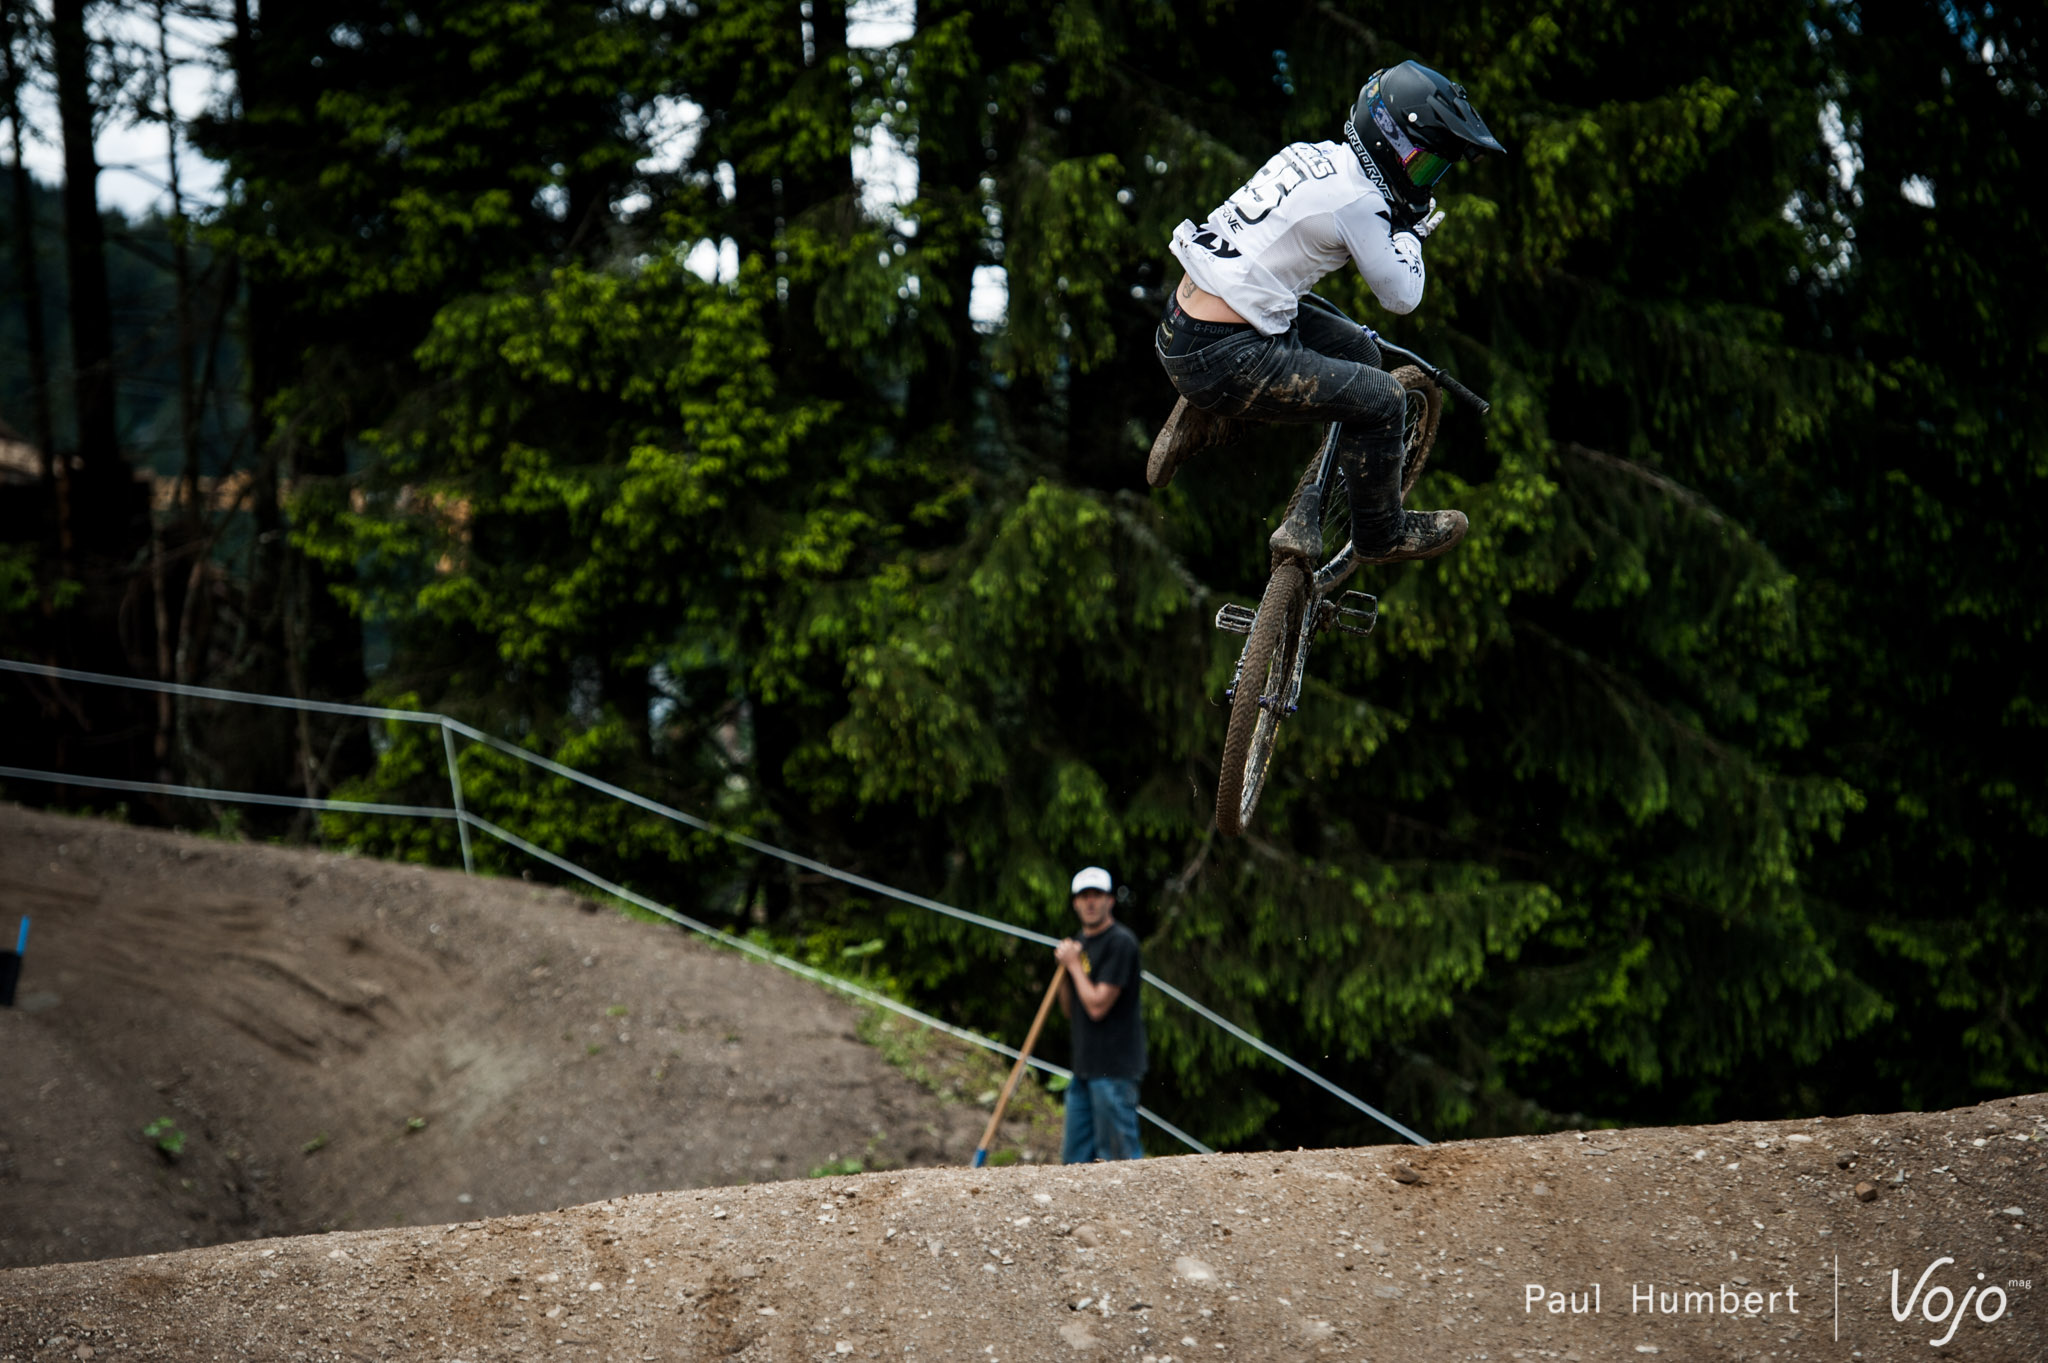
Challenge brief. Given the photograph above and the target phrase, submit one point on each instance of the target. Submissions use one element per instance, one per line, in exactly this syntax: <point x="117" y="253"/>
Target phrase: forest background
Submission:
<point x="746" y="401"/>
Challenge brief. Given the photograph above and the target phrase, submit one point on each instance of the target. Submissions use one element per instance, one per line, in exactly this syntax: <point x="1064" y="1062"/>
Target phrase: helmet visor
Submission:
<point x="1425" y="168"/>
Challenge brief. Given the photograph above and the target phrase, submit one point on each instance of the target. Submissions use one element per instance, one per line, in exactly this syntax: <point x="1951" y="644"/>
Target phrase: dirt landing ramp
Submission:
<point x="1746" y="1241"/>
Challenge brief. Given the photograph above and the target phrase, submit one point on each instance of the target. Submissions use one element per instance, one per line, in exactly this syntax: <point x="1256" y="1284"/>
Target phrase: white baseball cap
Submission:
<point x="1093" y="878"/>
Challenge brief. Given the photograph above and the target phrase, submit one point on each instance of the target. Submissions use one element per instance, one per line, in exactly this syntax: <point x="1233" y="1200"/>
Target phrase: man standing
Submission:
<point x="1102" y="972"/>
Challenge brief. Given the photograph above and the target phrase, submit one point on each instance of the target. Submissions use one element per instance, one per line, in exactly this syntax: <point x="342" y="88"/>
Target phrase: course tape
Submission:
<point x="243" y="797"/>
<point x="324" y="707"/>
<point x="691" y="821"/>
<point x="993" y="924"/>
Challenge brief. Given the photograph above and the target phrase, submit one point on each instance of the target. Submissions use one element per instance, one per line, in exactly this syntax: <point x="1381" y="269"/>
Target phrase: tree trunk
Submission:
<point x="181" y="269"/>
<point x="950" y="163"/>
<point x="92" y="322"/>
<point x="54" y="472"/>
<point x="265" y="347"/>
<point x="108" y="508"/>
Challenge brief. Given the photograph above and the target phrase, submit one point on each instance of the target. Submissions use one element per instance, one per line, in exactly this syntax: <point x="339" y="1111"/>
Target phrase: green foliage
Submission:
<point x="163" y="1133"/>
<point x="19" y="590"/>
<point x="1705" y="765"/>
<point x="1917" y="512"/>
<point x="956" y="1072"/>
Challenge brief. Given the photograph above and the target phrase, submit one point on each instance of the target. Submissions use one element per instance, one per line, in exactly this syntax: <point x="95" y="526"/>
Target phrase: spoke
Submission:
<point x="1336" y="513"/>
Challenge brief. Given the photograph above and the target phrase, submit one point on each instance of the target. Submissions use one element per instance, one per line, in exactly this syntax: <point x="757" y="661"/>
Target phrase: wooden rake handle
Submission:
<point x="995" y="1119"/>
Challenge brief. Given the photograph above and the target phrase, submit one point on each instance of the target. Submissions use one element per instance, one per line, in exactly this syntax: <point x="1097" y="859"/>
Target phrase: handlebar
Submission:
<point x="1430" y="371"/>
<point x="1462" y="393"/>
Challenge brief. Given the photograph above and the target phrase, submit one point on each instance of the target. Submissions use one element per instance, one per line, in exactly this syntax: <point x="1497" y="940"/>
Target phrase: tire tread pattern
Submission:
<point x="1277" y="620"/>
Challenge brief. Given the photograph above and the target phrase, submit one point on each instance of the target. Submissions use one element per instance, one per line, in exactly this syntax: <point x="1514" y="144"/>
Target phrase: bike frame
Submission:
<point x="1253" y="732"/>
<point x="1331" y="575"/>
<point x="1325" y="580"/>
<point x="1322" y="582"/>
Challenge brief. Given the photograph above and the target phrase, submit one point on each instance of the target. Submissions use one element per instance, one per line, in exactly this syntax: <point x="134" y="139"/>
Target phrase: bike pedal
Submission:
<point x="1357" y="613"/>
<point x="1236" y="619"/>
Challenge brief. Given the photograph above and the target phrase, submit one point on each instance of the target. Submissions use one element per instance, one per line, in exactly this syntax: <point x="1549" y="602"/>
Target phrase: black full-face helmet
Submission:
<point x="1412" y="125"/>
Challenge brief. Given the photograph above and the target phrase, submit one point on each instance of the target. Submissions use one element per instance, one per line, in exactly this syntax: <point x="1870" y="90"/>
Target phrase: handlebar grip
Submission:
<point x="1462" y="393"/>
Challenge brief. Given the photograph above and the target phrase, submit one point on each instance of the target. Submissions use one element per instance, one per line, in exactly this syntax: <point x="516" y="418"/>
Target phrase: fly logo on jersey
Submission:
<point x="1290" y="168"/>
<point x="1206" y="238"/>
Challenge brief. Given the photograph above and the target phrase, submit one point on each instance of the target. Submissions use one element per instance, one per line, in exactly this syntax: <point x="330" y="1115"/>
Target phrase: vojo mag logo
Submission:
<point x="1938" y="1305"/>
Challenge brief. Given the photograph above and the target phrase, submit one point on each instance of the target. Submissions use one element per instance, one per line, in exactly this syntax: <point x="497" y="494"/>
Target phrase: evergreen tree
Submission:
<point x="1647" y="804"/>
<point x="1537" y="849"/>
<point x="1914" y="522"/>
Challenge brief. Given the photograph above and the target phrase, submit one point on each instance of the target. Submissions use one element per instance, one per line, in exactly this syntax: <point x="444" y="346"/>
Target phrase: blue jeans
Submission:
<point x="1102" y="1121"/>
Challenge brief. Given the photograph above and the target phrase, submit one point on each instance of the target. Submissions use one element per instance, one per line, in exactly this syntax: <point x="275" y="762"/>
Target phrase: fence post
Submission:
<point x="455" y="790"/>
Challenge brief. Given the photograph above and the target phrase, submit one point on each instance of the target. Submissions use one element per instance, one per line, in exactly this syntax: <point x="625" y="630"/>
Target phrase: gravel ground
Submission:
<point x="1525" y="1248"/>
<point x="297" y="1014"/>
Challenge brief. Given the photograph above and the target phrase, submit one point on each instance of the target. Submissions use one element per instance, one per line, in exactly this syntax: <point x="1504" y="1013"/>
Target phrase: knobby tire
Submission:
<point x="1425" y="404"/>
<point x="1268" y="671"/>
<point x="1270" y="654"/>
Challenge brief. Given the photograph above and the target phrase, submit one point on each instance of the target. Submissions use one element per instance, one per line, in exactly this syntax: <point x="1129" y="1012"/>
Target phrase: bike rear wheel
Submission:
<point x="1265" y="679"/>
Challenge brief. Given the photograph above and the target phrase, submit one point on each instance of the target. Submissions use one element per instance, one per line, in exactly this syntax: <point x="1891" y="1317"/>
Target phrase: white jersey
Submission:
<point x="1306" y="212"/>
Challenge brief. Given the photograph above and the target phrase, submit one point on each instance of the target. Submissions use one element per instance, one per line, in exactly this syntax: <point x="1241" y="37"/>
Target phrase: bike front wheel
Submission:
<point x="1265" y="680"/>
<point x="1423" y="407"/>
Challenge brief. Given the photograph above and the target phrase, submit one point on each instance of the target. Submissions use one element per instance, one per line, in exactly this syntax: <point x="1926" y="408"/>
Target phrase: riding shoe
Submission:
<point x="1301" y="534"/>
<point x="1381" y="531"/>
<point x="1422" y="534"/>
<point x="1187" y="430"/>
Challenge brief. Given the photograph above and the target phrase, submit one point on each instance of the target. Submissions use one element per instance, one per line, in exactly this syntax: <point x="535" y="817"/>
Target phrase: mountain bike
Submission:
<point x="1302" y="600"/>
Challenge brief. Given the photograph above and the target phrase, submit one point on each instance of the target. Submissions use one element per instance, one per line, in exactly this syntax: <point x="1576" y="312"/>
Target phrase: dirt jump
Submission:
<point x="344" y="1045"/>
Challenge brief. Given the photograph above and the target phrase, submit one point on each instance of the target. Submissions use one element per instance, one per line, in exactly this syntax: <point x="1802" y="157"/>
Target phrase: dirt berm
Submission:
<point x="1872" y="1237"/>
<point x="322" y="1042"/>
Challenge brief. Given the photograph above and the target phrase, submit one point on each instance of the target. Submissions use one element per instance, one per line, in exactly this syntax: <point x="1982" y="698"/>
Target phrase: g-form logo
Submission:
<point x="1951" y="1311"/>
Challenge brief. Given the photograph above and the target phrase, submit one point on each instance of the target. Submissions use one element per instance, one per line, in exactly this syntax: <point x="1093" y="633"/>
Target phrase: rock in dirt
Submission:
<point x="1079" y="1335"/>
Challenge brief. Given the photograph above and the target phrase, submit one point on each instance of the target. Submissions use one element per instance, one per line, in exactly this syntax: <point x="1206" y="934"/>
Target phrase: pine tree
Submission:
<point x="1576" y="835"/>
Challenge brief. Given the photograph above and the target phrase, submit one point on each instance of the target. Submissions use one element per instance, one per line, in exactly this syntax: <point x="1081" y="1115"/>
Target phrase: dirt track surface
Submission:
<point x="295" y="1014"/>
<point x="1324" y="1254"/>
<point x="346" y="1043"/>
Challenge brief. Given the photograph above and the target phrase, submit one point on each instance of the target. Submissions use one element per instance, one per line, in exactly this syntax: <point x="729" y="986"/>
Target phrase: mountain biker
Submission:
<point x="1238" y="344"/>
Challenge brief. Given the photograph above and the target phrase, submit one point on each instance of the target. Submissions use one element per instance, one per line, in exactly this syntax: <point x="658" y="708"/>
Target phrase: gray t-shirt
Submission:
<point x="1308" y="211"/>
